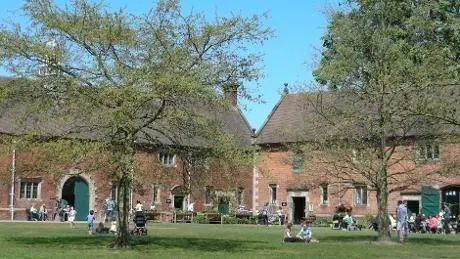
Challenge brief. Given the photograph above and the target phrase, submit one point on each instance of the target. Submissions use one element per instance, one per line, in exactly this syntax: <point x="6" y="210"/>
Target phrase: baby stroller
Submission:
<point x="140" y="222"/>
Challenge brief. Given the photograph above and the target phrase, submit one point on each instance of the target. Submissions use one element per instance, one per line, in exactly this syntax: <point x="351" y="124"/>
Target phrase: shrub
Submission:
<point x="200" y="218"/>
<point x="227" y="219"/>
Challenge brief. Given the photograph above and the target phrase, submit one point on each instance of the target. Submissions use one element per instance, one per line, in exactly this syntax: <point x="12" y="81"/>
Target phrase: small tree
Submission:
<point x="125" y="80"/>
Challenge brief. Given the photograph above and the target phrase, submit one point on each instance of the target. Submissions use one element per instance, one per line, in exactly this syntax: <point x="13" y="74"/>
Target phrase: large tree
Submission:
<point x="391" y="68"/>
<point x="125" y="79"/>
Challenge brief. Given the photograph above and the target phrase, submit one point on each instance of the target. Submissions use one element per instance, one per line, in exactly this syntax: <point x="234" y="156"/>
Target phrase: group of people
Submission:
<point x="41" y="214"/>
<point x="304" y="235"/>
<point x="267" y="216"/>
<point x="420" y="223"/>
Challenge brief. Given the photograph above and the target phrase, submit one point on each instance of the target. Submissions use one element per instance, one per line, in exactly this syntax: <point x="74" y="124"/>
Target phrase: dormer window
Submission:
<point x="166" y="158"/>
<point x="427" y="151"/>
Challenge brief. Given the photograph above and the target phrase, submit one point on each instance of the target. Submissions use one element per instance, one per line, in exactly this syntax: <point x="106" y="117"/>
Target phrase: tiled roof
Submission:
<point x="15" y="119"/>
<point x="294" y="119"/>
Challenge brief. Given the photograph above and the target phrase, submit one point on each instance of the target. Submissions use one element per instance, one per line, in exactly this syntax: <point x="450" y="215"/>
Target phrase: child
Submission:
<point x="71" y="217"/>
<point x="91" y="218"/>
<point x="113" y="227"/>
<point x="305" y="233"/>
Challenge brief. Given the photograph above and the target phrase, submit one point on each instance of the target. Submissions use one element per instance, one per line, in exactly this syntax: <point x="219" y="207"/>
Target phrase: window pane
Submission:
<point x="324" y="187"/>
<point x="22" y="190"/>
<point x="429" y="151"/>
<point x="421" y="152"/>
<point x="364" y="199"/>
<point x="436" y="151"/>
<point x="34" y="190"/>
<point x="28" y="189"/>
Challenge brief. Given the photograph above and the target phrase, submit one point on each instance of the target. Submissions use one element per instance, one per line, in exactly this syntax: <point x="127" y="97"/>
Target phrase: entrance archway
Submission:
<point x="179" y="193"/>
<point x="76" y="192"/>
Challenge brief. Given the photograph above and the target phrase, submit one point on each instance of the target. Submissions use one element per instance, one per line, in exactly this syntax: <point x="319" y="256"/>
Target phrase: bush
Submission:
<point x="200" y="218"/>
<point x="322" y="222"/>
<point x="227" y="219"/>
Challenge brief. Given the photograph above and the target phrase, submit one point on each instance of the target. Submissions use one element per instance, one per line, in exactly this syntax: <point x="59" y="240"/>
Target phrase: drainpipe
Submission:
<point x="13" y="172"/>
<point x="254" y="184"/>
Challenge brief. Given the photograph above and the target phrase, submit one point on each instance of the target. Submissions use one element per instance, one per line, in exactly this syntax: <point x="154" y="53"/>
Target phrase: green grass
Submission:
<point x="38" y="240"/>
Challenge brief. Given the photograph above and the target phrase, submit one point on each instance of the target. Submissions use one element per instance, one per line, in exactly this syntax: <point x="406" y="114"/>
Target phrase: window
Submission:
<point x="428" y="151"/>
<point x="272" y="193"/>
<point x="155" y="194"/>
<point x="239" y="196"/>
<point x="166" y="158"/>
<point x="298" y="161"/>
<point x="324" y="194"/>
<point x="208" y="195"/>
<point x="114" y="191"/>
<point x="361" y="195"/>
<point x="29" y="190"/>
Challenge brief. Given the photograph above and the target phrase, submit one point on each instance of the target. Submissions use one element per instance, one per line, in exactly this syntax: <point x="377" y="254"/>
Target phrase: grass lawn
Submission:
<point x="42" y="240"/>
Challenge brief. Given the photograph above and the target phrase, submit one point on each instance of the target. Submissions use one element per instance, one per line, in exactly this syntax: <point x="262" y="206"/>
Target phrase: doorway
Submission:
<point x="451" y="197"/>
<point x="413" y="207"/>
<point x="298" y="209"/>
<point x="76" y="192"/>
<point x="179" y="194"/>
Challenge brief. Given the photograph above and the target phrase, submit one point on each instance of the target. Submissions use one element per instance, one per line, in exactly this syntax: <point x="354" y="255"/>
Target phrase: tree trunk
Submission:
<point x="124" y="157"/>
<point x="123" y="237"/>
<point x="382" y="202"/>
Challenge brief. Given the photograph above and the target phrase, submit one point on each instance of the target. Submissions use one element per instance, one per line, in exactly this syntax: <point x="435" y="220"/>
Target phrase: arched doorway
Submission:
<point x="76" y="192"/>
<point x="179" y="194"/>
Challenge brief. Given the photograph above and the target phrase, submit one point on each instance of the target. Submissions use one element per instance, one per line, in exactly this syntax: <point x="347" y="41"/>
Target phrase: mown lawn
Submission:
<point x="42" y="240"/>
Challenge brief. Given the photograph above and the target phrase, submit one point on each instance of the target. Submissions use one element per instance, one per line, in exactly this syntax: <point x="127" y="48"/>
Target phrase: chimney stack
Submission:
<point x="231" y="93"/>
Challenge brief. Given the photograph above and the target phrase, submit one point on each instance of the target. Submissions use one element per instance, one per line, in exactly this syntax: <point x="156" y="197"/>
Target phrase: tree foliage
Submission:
<point x="391" y="68"/>
<point x="125" y="80"/>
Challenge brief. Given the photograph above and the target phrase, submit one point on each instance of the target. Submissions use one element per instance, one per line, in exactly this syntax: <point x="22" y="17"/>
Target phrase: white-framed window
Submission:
<point x="156" y="191"/>
<point x="324" y="195"/>
<point x="208" y="194"/>
<point x="361" y="195"/>
<point x="272" y="188"/>
<point x="29" y="189"/>
<point x="114" y="191"/>
<point x="166" y="158"/>
<point x="427" y="151"/>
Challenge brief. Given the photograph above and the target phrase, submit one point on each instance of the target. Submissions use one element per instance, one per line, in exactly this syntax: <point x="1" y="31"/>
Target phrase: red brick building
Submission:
<point x="24" y="183"/>
<point x="310" y="189"/>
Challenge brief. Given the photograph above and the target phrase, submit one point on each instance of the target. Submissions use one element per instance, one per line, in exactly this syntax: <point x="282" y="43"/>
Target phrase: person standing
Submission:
<point x="71" y="217"/>
<point x="401" y="220"/>
<point x="109" y="206"/>
<point x="139" y="206"/>
<point x="90" y="219"/>
<point x="446" y="219"/>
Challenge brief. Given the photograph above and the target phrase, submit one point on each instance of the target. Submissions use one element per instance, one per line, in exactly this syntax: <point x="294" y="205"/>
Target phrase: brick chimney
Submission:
<point x="231" y="93"/>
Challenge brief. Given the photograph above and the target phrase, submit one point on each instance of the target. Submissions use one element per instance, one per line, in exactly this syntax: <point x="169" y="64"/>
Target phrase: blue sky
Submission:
<point x="289" y="56"/>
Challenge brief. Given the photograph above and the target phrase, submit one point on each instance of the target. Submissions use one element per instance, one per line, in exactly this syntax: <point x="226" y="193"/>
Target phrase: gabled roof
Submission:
<point x="294" y="119"/>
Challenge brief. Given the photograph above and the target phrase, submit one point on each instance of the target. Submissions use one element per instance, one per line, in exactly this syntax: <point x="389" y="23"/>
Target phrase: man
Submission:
<point x="109" y="206"/>
<point x="446" y="219"/>
<point x="401" y="220"/>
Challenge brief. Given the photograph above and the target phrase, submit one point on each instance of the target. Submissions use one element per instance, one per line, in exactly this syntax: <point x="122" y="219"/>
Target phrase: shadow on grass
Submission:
<point x="422" y="240"/>
<point x="198" y="244"/>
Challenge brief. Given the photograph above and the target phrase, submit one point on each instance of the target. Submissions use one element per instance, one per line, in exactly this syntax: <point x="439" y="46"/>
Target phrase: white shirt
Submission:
<point x="138" y="207"/>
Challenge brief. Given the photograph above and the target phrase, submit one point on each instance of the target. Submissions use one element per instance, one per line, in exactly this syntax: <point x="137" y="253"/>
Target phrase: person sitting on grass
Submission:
<point x="305" y="233"/>
<point x="288" y="237"/>
<point x="101" y="229"/>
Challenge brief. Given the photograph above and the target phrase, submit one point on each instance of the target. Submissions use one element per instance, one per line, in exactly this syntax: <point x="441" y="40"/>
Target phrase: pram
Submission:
<point x="140" y="222"/>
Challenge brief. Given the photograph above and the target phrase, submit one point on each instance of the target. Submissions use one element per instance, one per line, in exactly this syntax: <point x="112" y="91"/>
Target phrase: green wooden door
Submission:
<point x="223" y="207"/>
<point x="430" y="200"/>
<point x="81" y="192"/>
